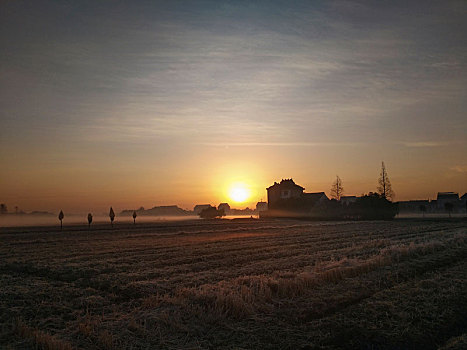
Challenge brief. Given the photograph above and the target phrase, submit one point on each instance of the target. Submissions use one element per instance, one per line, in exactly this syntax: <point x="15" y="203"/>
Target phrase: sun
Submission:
<point x="239" y="192"/>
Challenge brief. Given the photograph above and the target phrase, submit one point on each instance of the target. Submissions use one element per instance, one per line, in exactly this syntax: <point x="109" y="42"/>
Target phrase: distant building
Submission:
<point x="164" y="210"/>
<point x="348" y="199"/>
<point x="414" y="206"/>
<point x="283" y="190"/>
<point x="446" y="197"/>
<point x="287" y="195"/>
<point x="225" y="207"/>
<point x="197" y="209"/>
<point x="315" y="197"/>
<point x="261" y="206"/>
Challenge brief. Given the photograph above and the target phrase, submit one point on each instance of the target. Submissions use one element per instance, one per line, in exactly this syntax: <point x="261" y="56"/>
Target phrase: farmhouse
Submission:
<point x="348" y="199"/>
<point x="287" y="195"/>
<point x="446" y="197"/>
<point x="225" y="207"/>
<point x="199" y="207"/>
<point x="261" y="206"/>
<point x="284" y="190"/>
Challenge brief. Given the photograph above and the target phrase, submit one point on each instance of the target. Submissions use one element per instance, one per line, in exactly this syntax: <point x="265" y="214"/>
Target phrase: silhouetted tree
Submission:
<point x="211" y="213"/>
<point x="374" y="206"/>
<point x="423" y="209"/>
<point x="3" y="208"/>
<point x="89" y="220"/>
<point x="384" y="185"/>
<point x="134" y="217"/>
<point x="60" y="217"/>
<point x="449" y="207"/>
<point x="111" y="216"/>
<point x="337" y="190"/>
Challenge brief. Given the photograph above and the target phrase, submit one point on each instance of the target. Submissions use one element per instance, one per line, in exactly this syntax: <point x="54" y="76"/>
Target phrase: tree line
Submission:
<point x="61" y="216"/>
<point x="384" y="188"/>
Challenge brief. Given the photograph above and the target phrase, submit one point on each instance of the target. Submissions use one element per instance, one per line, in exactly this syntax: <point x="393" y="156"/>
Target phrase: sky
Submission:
<point x="145" y="103"/>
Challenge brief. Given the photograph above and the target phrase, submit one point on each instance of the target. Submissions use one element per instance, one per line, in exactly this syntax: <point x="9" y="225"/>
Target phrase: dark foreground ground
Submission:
<point x="236" y="285"/>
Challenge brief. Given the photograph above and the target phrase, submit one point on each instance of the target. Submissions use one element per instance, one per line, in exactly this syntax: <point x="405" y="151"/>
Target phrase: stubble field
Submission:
<point x="236" y="285"/>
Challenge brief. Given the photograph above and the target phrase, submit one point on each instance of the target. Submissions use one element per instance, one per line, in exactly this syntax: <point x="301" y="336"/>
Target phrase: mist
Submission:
<point x="49" y="220"/>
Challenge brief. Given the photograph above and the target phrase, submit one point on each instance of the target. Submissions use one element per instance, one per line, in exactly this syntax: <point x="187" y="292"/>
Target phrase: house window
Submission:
<point x="285" y="193"/>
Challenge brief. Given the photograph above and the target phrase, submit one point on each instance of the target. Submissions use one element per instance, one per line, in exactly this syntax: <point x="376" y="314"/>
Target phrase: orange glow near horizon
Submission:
<point x="239" y="192"/>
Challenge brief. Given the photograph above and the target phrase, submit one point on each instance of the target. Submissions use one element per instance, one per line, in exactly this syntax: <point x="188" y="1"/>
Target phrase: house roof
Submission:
<point x="286" y="184"/>
<point x="448" y="195"/>
<point x="348" y="197"/>
<point x="202" y="206"/>
<point x="315" y="195"/>
<point x="464" y="196"/>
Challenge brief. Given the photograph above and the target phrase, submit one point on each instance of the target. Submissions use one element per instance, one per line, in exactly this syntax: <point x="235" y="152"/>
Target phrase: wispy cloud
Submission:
<point x="460" y="169"/>
<point x="424" y="144"/>
<point x="281" y="144"/>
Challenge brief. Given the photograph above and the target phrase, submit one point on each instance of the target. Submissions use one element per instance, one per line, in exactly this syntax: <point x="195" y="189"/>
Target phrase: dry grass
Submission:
<point x="40" y="339"/>
<point x="224" y="285"/>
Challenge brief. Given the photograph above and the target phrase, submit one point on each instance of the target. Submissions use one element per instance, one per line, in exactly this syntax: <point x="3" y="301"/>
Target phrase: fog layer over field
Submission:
<point x="52" y="220"/>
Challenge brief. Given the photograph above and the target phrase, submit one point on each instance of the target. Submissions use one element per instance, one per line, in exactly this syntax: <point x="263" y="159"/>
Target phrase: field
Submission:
<point x="236" y="284"/>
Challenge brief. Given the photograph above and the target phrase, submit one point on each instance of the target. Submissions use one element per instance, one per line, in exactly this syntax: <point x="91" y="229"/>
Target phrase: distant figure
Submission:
<point x="60" y="217"/>
<point x="134" y="217"/>
<point x="423" y="209"/>
<point x="112" y="216"/>
<point x="89" y="220"/>
<point x="449" y="207"/>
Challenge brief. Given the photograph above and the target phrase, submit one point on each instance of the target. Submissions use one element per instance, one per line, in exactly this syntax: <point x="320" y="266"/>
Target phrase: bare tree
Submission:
<point x="111" y="216"/>
<point x="337" y="190"/>
<point x="60" y="217"/>
<point x="384" y="185"/>
<point x="89" y="220"/>
<point x="134" y="217"/>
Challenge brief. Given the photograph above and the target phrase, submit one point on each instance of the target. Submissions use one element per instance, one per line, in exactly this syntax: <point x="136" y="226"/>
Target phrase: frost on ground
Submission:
<point x="230" y="285"/>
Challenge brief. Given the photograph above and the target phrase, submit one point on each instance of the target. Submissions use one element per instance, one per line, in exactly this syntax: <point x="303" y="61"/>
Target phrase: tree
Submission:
<point x="60" y="217"/>
<point x="211" y="213"/>
<point x="384" y="185"/>
<point x="449" y="207"/>
<point x="111" y="216"/>
<point x="134" y="217"/>
<point x="337" y="190"/>
<point x="423" y="209"/>
<point x="89" y="220"/>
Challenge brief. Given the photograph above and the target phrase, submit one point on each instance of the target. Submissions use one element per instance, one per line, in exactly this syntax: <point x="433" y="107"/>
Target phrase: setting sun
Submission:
<point x="239" y="192"/>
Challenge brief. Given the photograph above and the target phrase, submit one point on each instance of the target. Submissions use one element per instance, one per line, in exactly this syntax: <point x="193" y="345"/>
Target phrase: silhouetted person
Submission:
<point x="60" y="217"/>
<point x="111" y="216"/>
<point x="89" y="220"/>
<point x="134" y="217"/>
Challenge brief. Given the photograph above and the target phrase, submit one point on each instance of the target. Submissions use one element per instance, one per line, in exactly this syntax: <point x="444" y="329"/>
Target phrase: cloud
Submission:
<point x="460" y="169"/>
<point x="424" y="144"/>
<point x="280" y="144"/>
